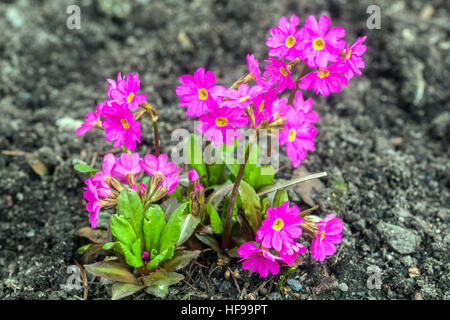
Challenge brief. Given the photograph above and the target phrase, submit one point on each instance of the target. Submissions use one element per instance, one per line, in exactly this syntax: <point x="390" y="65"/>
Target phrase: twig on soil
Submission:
<point x="235" y="281"/>
<point x="104" y="153"/>
<point x="193" y="289"/>
<point x="15" y="153"/>
<point x="84" y="278"/>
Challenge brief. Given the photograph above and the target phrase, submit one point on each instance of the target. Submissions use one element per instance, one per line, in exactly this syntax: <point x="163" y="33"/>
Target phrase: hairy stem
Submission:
<point x="226" y="237"/>
<point x="293" y="91"/>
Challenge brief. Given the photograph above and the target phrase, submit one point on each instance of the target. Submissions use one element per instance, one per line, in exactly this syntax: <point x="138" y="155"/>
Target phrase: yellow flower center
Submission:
<point x="323" y="73"/>
<point x="221" y="121"/>
<point x="125" y="123"/>
<point x="322" y="234"/>
<point x="349" y="52"/>
<point x="244" y="98"/>
<point x="130" y="97"/>
<point x="278" y="224"/>
<point x="261" y="106"/>
<point x="319" y="44"/>
<point x="292" y="134"/>
<point x="202" y="94"/>
<point x="290" y="41"/>
<point x="283" y="71"/>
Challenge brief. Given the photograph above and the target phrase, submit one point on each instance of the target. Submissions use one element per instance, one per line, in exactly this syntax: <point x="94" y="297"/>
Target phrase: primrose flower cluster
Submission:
<point x="121" y="127"/>
<point x="276" y="239"/>
<point x="223" y="111"/>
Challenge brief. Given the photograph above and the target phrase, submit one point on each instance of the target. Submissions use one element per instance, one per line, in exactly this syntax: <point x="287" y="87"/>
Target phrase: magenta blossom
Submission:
<point x="221" y="125"/>
<point x="127" y="166"/>
<point x="300" y="104"/>
<point x="325" y="81"/>
<point x="258" y="260"/>
<point x="264" y="106"/>
<point x="255" y="71"/>
<point x="120" y="127"/>
<point x="93" y="202"/>
<point x="288" y="254"/>
<point x="124" y="92"/>
<point x="170" y="183"/>
<point x="279" y="74"/>
<point x="160" y="166"/>
<point x="280" y="108"/>
<point x="285" y="39"/>
<point x="352" y="58"/>
<point x="92" y="120"/>
<point x="101" y="178"/>
<point x="197" y="92"/>
<point x="329" y="233"/>
<point x="298" y="135"/>
<point x="193" y="175"/>
<point x="242" y="97"/>
<point x="319" y="45"/>
<point x="280" y="228"/>
<point x="113" y="84"/>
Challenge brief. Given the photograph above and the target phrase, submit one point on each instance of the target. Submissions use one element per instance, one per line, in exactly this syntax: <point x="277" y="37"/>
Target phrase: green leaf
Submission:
<point x="163" y="256"/>
<point x="121" y="228"/>
<point x="194" y="155"/>
<point x="281" y="197"/>
<point x="251" y="204"/>
<point x="265" y="176"/>
<point x="209" y="241"/>
<point x="129" y="204"/>
<point x="158" y="282"/>
<point x="122" y="290"/>
<point x="154" y="224"/>
<point x="293" y="182"/>
<point x="133" y="255"/>
<point x="180" y="259"/>
<point x="216" y="223"/>
<point x="172" y="230"/>
<point x="219" y="194"/>
<point x="112" y="271"/>
<point x="109" y="245"/>
<point x="83" y="249"/>
<point x="84" y="168"/>
<point x="188" y="225"/>
<point x="169" y="206"/>
<point x="215" y="172"/>
<point x="252" y="162"/>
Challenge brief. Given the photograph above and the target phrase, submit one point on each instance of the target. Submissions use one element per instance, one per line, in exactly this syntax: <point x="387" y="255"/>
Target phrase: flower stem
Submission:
<point x="226" y="236"/>
<point x="155" y="126"/>
<point x="293" y="91"/>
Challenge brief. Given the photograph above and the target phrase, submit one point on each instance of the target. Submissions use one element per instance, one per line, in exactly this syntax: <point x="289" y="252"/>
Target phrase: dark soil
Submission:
<point x="384" y="140"/>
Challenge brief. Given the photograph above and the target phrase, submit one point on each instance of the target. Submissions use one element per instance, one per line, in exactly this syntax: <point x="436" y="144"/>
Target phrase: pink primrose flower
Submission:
<point x="285" y="38"/>
<point x="298" y="136"/>
<point x="197" y="92"/>
<point x="127" y="165"/>
<point x="159" y="166"/>
<point x="93" y="202"/>
<point x="329" y="233"/>
<point x="319" y="44"/>
<point x="120" y="127"/>
<point x="221" y="124"/>
<point x="325" y="81"/>
<point x="353" y="60"/>
<point x="124" y="92"/>
<point x="279" y="74"/>
<point x="91" y="120"/>
<point x="258" y="260"/>
<point x="280" y="228"/>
